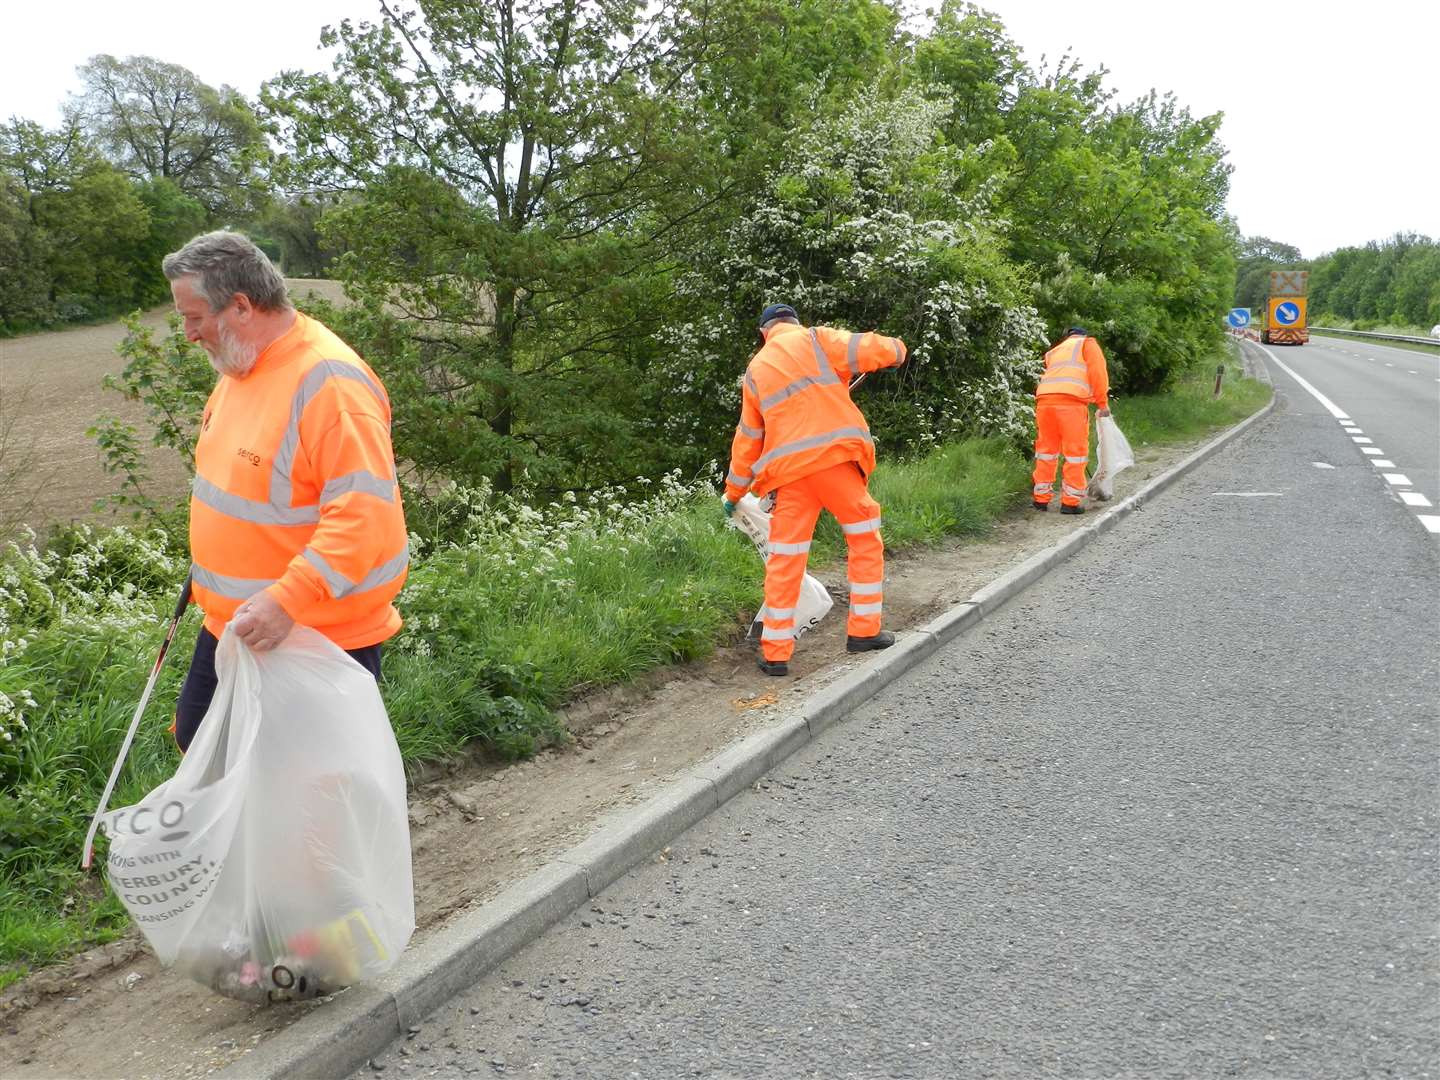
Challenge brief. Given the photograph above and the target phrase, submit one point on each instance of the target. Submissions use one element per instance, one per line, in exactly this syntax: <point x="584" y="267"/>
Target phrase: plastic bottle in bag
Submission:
<point x="275" y="863"/>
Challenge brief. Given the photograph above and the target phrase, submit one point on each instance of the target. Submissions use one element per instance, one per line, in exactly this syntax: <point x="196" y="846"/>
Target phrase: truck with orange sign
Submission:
<point x="1285" y="320"/>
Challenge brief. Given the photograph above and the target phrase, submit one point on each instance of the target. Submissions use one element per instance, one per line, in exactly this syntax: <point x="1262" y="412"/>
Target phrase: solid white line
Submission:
<point x="1398" y="479"/>
<point x="1413" y="498"/>
<point x="1430" y="521"/>
<point x="1382" y="463"/>
<point x="1247" y="494"/>
<point x="1330" y="407"/>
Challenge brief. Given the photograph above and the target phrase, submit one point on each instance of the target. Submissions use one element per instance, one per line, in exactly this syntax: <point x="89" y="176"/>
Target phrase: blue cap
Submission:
<point x="778" y="311"/>
<point x="1077" y="330"/>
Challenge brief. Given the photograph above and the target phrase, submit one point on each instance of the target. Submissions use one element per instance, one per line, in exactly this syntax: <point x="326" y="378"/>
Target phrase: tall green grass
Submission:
<point x="510" y="611"/>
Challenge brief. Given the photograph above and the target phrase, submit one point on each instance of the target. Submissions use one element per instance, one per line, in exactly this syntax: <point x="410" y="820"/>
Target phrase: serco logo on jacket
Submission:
<point x="796" y="415"/>
<point x="295" y="487"/>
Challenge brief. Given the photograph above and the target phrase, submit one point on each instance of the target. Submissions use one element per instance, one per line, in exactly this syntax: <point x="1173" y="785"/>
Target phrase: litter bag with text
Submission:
<point x="1112" y="456"/>
<point x="275" y="863"/>
<point x="753" y="519"/>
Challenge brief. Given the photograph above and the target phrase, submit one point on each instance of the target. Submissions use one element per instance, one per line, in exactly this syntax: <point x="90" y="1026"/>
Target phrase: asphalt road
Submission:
<point x="1171" y="813"/>
<point x="1392" y="394"/>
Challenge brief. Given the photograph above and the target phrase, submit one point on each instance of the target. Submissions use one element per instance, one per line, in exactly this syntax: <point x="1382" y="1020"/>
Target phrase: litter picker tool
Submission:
<point x="180" y="606"/>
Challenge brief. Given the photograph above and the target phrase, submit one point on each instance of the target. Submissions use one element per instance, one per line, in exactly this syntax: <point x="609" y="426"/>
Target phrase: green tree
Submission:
<point x="25" y="281"/>
<point x="157" y="121"/>
<point x="532" y="172"/>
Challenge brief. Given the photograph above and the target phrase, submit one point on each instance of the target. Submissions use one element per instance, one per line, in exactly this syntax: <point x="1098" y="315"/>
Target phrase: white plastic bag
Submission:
<point x="753" y="519"/>
<point x="1112" y="457"/>
<point x="275" y="863"/>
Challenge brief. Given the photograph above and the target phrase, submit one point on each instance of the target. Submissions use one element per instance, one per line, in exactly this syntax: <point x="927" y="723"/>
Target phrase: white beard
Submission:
<point x="232" y="356"/>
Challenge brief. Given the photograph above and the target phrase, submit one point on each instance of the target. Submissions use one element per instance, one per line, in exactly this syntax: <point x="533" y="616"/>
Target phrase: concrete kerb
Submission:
<point x="336" y="1040"/>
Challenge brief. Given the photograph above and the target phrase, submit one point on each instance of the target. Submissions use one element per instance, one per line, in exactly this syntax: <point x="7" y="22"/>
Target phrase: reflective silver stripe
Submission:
<point x="1068" y="490"/>
<point x="789" y="549"/>
<point x="315" y="378"/>
<point x="865" y="588"/>
<point x="1078" y="460"/>
<point x="386" y="572"/>
<point x="750" y="384"/>
<point x="779" y="614"/>
<point x="738" y="480"/>
<point x="243" y="509"/>
<point x="795" y="387"/>
<point x="869" y="609"/>
<point x="769" y="633"/>
<point x="232" y="588"/>
<point x="827" y="373"/>
<point x="852" y="355"/>
<point x="1047" y="382"/>
<point x="747" y="430"/>
<point x="341" y="586"/>
<point x="277" y="509"/>
<point x="1045" y="489"/>
<point x="1047" y="457"/>
<point x="813" y="441"/>
<point x="857" y="527"/>
<point x="360" y="480"/>
<point x="899" y="352"/>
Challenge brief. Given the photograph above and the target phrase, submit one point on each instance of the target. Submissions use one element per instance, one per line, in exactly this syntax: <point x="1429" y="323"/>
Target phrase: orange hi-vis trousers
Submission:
<point x="1062" y="428"/>
<point x="841" y="490"/>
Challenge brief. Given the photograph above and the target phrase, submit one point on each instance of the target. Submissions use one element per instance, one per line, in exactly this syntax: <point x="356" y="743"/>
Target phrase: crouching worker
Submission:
<point x="801" y="437"/>
<point x="295" y="513"/>
<point x="1074" y="376"/>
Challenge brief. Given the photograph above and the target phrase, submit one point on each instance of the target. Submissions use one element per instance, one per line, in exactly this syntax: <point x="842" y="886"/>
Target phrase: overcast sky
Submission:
<point x="1330" y="107"/>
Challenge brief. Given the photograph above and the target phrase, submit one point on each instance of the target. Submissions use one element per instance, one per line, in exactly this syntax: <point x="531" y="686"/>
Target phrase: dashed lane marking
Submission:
<point x="1431" y="522"/>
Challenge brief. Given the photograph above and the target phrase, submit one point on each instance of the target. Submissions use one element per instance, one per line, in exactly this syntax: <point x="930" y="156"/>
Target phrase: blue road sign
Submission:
<point x="1239" y="318"/>
<point x="1287" y="313"/>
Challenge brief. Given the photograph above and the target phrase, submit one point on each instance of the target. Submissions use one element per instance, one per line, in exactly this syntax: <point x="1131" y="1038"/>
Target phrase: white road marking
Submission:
<point x="1330" y="407"/>
<point x="1322" y="465"/>
<point x="1247" y="494"/>
<point x="1431" y="522"/>
<point x="1414" y="373"/>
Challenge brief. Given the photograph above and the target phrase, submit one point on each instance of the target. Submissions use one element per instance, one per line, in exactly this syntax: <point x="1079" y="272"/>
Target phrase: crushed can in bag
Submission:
<point x="275" y="864"/>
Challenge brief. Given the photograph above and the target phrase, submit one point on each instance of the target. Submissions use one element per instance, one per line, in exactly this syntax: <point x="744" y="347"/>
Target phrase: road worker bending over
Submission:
<point x="1074" y="376"/>
<point x="802" y="437"/>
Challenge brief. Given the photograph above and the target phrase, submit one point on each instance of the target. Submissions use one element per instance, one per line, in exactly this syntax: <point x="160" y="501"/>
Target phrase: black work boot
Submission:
<point x="1076" y="509"/>
<point x="883" y="640"/>
<point x="1042" y="507"/>
<point x="772" y="667"/>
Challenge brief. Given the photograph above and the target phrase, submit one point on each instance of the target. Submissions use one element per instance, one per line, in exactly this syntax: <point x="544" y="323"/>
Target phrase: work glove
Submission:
<point x="728" y="507"/>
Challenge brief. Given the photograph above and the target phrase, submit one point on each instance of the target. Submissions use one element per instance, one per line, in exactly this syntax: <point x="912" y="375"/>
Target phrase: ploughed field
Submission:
<point x="50" y="392"/>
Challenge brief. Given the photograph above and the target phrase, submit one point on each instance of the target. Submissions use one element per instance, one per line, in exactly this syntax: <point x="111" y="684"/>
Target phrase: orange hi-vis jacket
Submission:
<point x="295" y="492"/>
<point x="796" y="416"/>
<point x="1076" y="368"/>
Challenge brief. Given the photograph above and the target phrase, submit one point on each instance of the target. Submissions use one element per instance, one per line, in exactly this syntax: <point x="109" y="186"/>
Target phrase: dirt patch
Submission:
<point x="50" y="392"/>
<point x="476" y="828"/>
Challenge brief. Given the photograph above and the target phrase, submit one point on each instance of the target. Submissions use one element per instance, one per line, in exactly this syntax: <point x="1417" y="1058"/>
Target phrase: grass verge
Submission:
<point x="510" y="611"/>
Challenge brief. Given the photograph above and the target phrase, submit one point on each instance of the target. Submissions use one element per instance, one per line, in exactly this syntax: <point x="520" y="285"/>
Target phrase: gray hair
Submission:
<point x="224" y="264"/>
